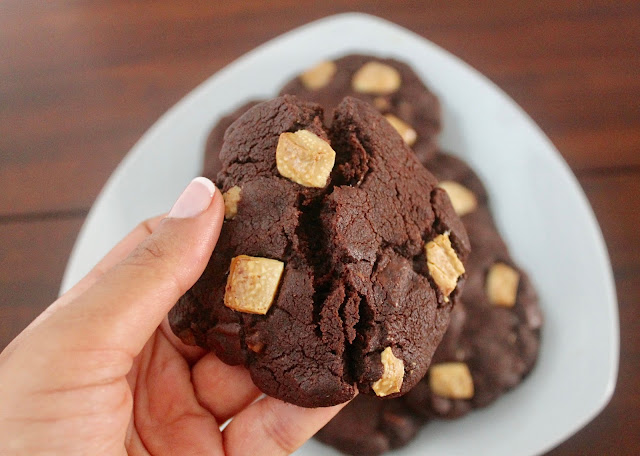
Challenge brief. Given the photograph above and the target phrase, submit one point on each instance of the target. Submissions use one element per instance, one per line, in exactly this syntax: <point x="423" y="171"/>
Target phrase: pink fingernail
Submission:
<point x="195" y="199"/>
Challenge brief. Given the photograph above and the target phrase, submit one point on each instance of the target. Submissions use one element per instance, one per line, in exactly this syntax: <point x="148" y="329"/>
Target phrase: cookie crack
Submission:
<point x="313" y="240"/>
<point x="352" y="145"/>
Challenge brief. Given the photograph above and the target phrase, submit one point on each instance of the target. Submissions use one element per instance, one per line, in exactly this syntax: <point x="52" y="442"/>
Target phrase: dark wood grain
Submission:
<point x="615" y="199"/>
<point x="616" y="202"/>
<point x="32" y="259"/>
<point x="83" y="80"/>
<point x="90" y="77"/>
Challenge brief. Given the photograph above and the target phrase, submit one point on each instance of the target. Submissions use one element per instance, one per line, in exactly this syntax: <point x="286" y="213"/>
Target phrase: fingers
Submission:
<point x="222" y="389"/>
<point x="127" y="303"/>
<point x="273" y="427"/>
<point x="166" y="414"/>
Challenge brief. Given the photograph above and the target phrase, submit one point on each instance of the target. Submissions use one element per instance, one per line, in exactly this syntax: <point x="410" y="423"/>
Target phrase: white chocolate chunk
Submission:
<point x="408" y="134"/>
<point x="377" y="78"/>
<point x="318" y="76"/>
<point x="305" y="158"/>
<point x="463" y="200"/>
<point x="252" y="284"/>
<point x="231" y="199"/>
<point x="502" y="285"/>
<point x="393" y="375"/>
<point x="451" y="380"/>
<point x="444" y="265"/>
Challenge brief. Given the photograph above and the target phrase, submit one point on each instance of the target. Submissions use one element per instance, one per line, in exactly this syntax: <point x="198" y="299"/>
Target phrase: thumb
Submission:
<point x="127" y="304"/>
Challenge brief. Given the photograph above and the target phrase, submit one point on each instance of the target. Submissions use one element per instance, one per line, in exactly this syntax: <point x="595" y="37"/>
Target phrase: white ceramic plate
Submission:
<point x="539" y="206"/>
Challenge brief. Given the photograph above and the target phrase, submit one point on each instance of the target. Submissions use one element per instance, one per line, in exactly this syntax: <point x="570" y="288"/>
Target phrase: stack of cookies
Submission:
<point x="357" y="257"/>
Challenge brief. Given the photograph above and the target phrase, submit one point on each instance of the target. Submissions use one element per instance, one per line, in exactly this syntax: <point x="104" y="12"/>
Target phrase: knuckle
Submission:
<point x="149" y="250"/>
<point x="154" y="256"/>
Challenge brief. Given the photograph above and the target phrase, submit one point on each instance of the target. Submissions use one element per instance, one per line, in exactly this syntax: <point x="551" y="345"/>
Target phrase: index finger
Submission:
<point x="270" y="426"/>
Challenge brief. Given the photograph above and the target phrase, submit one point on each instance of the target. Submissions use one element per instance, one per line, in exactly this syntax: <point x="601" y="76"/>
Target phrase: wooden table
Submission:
<point x="81" y="81"/>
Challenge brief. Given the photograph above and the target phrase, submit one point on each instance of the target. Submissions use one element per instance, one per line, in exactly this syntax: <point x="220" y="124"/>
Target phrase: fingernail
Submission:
<point x="195" y="199"/>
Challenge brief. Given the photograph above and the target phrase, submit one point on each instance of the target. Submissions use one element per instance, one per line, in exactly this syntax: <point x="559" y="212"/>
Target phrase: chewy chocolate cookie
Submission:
<point x="369" y="426"/>
<point x="388" y="84"/>
<point x="338" y="263"/>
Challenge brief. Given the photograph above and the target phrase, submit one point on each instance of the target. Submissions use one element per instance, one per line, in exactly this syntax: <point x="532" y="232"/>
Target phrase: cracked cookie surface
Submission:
<point x="355" y="279"/>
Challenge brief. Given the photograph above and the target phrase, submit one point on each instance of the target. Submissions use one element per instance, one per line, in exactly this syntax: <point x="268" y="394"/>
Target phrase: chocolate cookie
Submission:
<point x="453" y="172"/>
<point x="489" y="347"/>
<point x="338" y="263"/>
<point x="212" y="164"/>
<point x="388" y="84"/>
<point x="369" y="426"/>
<point x="493" y="340"/>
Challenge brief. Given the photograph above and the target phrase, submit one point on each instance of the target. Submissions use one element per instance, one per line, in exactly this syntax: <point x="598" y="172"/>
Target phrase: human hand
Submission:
<point x="99" y="372"/>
